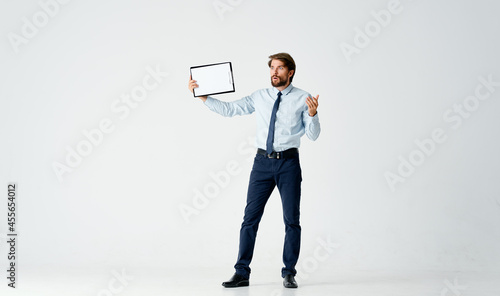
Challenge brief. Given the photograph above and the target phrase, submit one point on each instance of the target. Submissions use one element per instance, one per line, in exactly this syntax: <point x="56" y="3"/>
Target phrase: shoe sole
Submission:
<point x="240" y="284"/>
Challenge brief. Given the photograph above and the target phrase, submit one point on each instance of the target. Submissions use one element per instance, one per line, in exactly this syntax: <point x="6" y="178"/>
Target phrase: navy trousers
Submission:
<point x="266" y="174"/>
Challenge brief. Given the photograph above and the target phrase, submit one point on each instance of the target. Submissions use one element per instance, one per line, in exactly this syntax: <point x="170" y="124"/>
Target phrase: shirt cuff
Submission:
<point x="312" y="119"/>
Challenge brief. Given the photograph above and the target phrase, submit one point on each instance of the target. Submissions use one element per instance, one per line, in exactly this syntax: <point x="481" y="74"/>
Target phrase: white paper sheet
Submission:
<point x="213" y="79"/>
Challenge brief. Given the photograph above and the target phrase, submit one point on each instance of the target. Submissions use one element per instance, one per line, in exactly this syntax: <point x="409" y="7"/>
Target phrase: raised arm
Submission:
<point x="228" y="109"/>
<point x="311" y="119"/>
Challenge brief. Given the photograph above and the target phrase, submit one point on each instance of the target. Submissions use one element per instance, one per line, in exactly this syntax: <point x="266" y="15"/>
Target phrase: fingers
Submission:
<point x="309" y="103"/>
<point x="192" y="84"/>
<point x="312" y="102"/>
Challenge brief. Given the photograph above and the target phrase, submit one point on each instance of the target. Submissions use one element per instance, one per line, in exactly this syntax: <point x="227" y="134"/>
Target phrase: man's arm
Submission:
<point x="311" y="119"/>
<point x="228" y="109"/>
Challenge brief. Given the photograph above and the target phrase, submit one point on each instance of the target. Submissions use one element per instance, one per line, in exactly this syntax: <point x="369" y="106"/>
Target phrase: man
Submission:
<point x="284" y="114"/>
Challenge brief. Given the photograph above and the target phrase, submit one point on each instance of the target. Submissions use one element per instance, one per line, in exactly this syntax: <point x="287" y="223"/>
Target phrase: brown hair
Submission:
<point x="286" y="59"/>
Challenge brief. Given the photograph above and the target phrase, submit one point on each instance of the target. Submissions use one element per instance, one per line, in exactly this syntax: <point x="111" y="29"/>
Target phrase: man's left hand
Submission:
<point x="312" y="103"/>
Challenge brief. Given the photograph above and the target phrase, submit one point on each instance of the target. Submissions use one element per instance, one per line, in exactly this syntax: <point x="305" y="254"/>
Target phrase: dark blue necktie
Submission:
<point x="270" y="135"/>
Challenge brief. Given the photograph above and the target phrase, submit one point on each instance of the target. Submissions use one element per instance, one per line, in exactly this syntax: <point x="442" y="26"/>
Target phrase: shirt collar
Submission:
<point x="286" y="91"/>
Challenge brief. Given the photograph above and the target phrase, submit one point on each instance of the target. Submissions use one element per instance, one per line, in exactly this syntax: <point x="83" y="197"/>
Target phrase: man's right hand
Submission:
<point x="192" y="85"/>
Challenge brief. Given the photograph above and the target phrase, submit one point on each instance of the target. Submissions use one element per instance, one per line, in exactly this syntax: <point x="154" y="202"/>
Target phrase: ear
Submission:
<point x="290" y="73"/>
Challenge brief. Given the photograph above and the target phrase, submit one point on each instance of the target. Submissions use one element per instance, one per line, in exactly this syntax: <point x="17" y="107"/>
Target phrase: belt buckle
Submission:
<point x="274" y="155"/>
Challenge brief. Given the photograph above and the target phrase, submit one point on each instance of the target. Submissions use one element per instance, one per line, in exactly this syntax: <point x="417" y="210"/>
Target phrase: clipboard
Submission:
<point x="213" y="79"/>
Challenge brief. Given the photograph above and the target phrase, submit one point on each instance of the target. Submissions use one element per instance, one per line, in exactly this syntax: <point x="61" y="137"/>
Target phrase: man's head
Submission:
<point x="282" y="69"/>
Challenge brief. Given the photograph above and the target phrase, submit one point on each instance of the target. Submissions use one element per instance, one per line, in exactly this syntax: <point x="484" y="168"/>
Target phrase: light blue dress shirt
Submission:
<point x="292" y="118"/>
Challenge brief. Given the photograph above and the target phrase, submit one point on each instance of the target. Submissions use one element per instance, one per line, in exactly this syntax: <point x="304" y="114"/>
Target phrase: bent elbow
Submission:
<point x="313" y="135"/>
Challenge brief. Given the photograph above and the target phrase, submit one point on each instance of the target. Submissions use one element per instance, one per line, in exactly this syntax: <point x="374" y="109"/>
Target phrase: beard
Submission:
<point x="279" y="82"/>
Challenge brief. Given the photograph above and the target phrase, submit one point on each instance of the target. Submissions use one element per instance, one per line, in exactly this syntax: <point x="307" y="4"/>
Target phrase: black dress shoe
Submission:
<point x="236" y="281"/>
<point x="289" y="281"/>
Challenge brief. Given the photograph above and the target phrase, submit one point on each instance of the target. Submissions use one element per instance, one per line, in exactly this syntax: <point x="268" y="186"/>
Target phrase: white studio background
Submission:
<point x="120" y="206"/>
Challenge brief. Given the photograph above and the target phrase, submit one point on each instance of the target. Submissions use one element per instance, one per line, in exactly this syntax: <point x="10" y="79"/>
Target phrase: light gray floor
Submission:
<point x="208" y="282"/>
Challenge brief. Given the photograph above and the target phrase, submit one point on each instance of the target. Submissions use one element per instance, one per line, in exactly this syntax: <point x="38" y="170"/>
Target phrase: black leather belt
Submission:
<point x="289" y="153"/>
